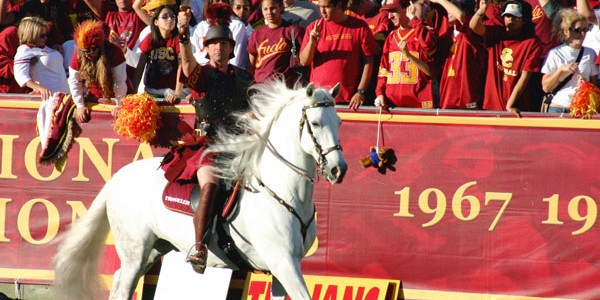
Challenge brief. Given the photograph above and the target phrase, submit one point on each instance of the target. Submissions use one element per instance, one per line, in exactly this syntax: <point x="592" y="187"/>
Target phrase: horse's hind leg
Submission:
<point x="134" y="255"/>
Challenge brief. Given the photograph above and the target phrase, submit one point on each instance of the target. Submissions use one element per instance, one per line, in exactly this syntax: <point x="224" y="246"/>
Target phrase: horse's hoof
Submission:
<point x="198" y="261"/>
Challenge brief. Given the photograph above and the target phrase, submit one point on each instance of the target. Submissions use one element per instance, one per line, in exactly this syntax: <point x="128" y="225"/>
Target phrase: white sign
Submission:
<point x="177" y="280"/>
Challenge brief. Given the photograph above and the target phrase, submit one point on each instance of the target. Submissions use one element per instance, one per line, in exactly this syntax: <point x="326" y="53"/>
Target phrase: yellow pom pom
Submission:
<point x="138" y="117"/>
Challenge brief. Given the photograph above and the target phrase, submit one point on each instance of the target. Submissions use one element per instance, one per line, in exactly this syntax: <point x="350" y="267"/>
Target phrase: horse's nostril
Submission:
<point x="335" y="172"/>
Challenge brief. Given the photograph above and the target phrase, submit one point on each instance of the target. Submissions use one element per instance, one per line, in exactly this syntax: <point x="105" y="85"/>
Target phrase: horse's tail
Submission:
<point x="77" y="259"/>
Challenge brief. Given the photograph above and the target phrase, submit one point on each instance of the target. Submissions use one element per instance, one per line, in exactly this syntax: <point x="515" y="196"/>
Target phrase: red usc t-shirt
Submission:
<point x="507" y="59"/>
<point x="126" y="24"/>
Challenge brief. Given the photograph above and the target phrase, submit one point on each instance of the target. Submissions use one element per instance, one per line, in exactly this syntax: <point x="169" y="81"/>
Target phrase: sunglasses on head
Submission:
<point x="167" y="16"/>
<point x="239" y="6"/>
<point x="580" y="29"/>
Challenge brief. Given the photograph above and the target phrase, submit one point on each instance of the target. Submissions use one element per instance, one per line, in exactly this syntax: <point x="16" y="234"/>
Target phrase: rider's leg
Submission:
<point x="208" y="192"/>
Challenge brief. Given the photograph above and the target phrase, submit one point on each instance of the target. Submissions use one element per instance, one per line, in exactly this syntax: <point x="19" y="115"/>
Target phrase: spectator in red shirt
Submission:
<point x="514" y="52"/>
<point x="380" y="26"/>
<point x="9" y="41"/>
<point x="97" y="69"/>
<point x="269" y="47"/>
<point x="340" y="48"/>
<point x="462" y="84"/>
<point x="404" y="78"/>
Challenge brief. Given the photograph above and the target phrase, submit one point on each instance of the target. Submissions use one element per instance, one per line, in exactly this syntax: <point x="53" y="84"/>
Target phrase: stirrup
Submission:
<point x="198" y="259"/>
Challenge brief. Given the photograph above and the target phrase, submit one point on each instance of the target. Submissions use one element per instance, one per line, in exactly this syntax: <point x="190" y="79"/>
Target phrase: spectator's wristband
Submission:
<point x="184" y="39"/>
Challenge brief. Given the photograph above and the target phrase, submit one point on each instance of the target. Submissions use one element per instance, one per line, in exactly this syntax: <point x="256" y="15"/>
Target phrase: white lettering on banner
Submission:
<point x="177" y="200"/>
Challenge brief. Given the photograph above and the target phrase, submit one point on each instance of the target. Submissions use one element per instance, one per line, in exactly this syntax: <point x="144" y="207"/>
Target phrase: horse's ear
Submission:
<point x="310" y="90"/>
<point x="335" y="90"/>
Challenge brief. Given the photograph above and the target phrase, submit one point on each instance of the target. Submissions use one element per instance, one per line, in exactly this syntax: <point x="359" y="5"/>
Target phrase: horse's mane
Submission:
<point x="239" y="154"/>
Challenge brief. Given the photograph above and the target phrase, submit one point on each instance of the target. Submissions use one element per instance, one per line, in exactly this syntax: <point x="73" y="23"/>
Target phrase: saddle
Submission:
<point x="183" y="197"/>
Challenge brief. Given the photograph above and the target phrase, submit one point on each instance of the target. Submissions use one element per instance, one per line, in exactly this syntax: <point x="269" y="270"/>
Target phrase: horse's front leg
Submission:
<point x="288" y="278"/>
<point x="277" y="290"/>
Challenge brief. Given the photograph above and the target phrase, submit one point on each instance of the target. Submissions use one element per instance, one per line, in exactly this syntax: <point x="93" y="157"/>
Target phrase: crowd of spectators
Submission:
<point x="450" y="54"/>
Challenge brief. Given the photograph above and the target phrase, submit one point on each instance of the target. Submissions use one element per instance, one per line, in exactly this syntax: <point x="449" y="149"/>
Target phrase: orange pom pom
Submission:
<point x="138" y="118"/>
<point x="586" y="101"/>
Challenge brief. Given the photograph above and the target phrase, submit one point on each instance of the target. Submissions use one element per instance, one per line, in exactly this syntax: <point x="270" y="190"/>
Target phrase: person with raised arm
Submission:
<point x="404" y="78"/>
<point x="219" y="89"/>
<point x="514" y="52"/>
<point x="340" y="48"/>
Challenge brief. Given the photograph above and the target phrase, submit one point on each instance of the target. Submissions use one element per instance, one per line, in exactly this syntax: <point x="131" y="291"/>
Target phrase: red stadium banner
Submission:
<point x="476" y="205"/>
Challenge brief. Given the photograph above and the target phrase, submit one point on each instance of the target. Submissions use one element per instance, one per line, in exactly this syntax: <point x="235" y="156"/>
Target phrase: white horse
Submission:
<point x="291" y="136"/>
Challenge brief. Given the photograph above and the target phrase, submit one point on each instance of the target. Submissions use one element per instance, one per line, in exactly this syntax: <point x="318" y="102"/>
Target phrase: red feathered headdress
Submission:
<point x="90" y="34"/>
<point x="219" y="13"/>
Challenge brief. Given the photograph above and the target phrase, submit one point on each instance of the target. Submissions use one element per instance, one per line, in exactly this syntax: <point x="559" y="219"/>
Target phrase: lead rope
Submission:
<point x="378" y="130"/>
<point x="274" y="151"/>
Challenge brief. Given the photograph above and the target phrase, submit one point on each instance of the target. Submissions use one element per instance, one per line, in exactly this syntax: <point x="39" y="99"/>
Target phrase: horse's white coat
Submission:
<point x="266" y="233"/>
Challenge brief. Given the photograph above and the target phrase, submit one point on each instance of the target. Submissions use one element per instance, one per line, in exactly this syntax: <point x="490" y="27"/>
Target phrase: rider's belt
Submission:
<point x="202" y="128"/>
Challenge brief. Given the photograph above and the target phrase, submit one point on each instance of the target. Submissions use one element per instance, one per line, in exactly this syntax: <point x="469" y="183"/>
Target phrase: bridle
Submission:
<point x="321" y="162"/>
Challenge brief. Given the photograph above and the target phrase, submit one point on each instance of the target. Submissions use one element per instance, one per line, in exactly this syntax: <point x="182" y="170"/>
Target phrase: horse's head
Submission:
<point x="319" y="131"/>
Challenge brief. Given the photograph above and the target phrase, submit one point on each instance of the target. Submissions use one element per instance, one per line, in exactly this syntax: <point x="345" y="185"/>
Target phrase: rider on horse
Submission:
<point x="219" y="89"/>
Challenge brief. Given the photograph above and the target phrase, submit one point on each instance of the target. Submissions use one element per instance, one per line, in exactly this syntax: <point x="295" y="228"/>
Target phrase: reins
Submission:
<point x="290" y="165"/>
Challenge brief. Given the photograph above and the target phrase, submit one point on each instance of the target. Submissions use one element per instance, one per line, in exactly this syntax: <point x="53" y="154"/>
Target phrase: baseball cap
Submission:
<point x="393" y="4"/>
<point x="154" y="4"/>
<point x="513" y="9"/>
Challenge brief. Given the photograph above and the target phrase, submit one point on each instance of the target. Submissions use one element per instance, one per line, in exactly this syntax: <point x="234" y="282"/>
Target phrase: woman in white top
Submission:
<point x="36" y="65"/>
<point x="571" y="28"/>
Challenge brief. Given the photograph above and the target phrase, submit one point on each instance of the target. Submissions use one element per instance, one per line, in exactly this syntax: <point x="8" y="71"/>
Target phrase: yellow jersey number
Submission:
<point x="402" y="70"/>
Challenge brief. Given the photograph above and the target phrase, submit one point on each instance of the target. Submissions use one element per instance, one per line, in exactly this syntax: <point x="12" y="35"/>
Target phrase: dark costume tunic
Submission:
<point x="217" y="95"/>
